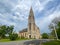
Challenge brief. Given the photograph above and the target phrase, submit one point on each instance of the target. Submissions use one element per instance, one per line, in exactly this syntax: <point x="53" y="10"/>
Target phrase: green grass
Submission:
<point x="8" y="40"/>
<point x="22" y="39"/>
<point x="55" y="42"/>
<point x="4" y="40"/>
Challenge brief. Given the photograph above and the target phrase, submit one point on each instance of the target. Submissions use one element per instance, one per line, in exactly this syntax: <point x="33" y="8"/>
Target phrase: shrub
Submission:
<point x="45" y="36"/>
<point x="13" y="36"/>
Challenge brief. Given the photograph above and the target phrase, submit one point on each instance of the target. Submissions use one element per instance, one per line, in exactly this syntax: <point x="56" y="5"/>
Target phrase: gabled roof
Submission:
<point x="24" y="30"/>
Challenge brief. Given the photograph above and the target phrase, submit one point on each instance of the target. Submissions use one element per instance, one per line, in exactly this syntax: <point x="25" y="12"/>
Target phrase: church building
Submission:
<point x="32" y="31"/>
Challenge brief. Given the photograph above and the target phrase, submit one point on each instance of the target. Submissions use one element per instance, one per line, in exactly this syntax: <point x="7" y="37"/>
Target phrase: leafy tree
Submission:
<point x="58" y="30"/>
<point x="9" y="29"/>
<point x="55" y="24"/>
<point x="5" y="30"/>
<point x="2" y="31"/>
<point x="45" y="36"/>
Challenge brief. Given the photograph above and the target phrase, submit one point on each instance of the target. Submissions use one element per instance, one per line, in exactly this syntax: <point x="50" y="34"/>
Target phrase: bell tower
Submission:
<point x="31" y="22"/>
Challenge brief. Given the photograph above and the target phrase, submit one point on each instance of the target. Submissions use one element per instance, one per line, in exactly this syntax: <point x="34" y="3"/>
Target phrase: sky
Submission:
<point x="16" y="12"/>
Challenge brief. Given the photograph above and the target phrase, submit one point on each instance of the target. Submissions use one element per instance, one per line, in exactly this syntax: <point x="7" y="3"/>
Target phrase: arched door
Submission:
<point x="29" y="36"/>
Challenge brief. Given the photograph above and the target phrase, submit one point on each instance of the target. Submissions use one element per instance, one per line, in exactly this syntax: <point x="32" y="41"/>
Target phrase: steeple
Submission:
<point x="31" y="16"/>
<point x="31" y="12"/>
<point x="31" y="20"/>
<point x="32" y="28"/>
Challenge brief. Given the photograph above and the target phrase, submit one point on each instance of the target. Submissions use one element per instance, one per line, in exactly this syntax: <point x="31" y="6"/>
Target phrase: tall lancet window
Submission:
<point x="34" y="26"/>
<point x="29" y="26"/>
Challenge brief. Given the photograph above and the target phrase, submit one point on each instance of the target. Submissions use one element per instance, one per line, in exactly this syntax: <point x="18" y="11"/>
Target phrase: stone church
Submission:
<point x="32" y="31"/>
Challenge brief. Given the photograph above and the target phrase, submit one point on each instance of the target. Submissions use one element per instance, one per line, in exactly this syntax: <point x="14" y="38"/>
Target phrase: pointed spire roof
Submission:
<point x="31" y="15"/>
<point x="31" y="9"/>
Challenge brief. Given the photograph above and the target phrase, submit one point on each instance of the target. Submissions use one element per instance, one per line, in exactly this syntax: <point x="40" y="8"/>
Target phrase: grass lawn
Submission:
<point x="4" y="40"/>
<point x="55" y="42"/>
<point x="22" y="39"/>
<point x="8" y="40"/>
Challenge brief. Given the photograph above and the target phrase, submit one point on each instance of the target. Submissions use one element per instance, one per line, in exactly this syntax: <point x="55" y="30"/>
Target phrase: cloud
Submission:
<point x="16" y="12"/>
<point x="45" y="21"/>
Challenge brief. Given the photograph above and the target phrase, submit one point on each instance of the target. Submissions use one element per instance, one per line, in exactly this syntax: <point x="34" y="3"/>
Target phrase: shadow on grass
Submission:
<point x="54" y="42"/>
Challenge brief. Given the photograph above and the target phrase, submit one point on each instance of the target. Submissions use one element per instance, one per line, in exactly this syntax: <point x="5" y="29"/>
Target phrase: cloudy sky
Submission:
<point x="16" y="12"/>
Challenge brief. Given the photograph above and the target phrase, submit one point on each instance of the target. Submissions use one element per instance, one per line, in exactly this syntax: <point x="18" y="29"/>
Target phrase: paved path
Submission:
<point x="12" y="43"/>
<point x="25" y="42"/>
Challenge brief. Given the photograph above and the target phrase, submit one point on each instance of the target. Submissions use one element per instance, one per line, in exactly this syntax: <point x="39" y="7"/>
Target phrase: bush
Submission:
<point x="45" y="36"/>
<point x="22" y="37"/>
<point x="13" y="36"/>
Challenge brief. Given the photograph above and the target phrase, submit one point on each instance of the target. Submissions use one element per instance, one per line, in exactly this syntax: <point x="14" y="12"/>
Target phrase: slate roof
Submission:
<point x="24" y="30"/>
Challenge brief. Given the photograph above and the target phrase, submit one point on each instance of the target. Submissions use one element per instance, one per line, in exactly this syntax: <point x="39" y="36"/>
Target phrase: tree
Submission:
<point x="55" y="27"/>
<point x="5" y="30"/>
<point x="58" y="30"/>
<point x="9" y="29"/>
<point x="45" y="36"/>
<point x="2" y="31"/>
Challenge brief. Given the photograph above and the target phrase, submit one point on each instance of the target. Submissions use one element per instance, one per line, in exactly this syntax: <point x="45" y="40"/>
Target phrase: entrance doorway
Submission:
<point x="29" y="36"/>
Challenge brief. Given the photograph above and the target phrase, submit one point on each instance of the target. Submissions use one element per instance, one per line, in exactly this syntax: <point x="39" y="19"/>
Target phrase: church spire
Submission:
<point x="31" y="12"/>
<point x="31" y="9"/>
<point x="31" y="16"/>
